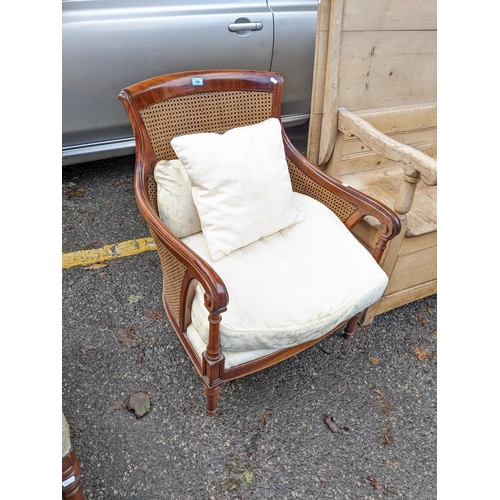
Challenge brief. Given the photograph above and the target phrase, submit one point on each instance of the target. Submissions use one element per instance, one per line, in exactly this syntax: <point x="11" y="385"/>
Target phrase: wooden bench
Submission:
<point x="403" y="178"/>
<point x="373" y="126"/>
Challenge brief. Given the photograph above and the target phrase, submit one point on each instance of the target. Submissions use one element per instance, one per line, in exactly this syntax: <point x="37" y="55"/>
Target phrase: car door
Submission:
<point x="110" y="44"/>
<point x="293" y="55"/>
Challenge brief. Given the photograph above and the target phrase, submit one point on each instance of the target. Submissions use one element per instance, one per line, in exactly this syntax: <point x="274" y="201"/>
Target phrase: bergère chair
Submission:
<point x="258" y="259"/>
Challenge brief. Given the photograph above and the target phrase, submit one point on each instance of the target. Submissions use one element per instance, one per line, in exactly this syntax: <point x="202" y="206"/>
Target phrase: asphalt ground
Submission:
<point x="269" y="438"/>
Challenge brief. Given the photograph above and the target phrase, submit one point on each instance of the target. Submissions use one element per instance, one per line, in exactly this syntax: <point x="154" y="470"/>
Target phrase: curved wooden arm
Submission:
<point x="390" y="224"/>
<point x="216" y="298"/>
<point x="350" y="124"/>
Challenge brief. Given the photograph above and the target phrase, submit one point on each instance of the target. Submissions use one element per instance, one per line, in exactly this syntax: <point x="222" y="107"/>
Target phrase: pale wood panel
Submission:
<point x="369" y="161"/>
<point x="353" y="145"/>
<point x="319" y="72"/>
<point x="403" y="297"/>
<point x="331" y="83"/>
<point x="401" y="118"/>
<point x="412" y="269"/>
<point x="382" y="69"/>
<point x="385" y="186"/>
<point x="390" y="15"/>
<point x="417" y="243"/>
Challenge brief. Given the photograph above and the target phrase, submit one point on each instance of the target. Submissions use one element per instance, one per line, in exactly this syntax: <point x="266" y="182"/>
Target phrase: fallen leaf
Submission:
<point x="99" y="265"/>
<point x="139" y="403"/>
<point x="421" y="318"/>
<point x="421" y="355"/>
<point x="384" y="405"/>
<point x="133" y="298"/>
<point x="262" y="418"/>
<point x="431" y="309"/>
<point x="373" y="360"/>
<point x="69" y="184"/>
<point x="90" y="246"/>
<point x="126" y="336"/>
<point x="235" y="468"/>
<point x="84" y="351"/>
<point x="332" y="425"/>
<point x="154" y="314"/>
<point x="79" y="192"/>
<point x="232" y="484"/>
<point x="386" y="437"/>
<point x="377" y="485"/>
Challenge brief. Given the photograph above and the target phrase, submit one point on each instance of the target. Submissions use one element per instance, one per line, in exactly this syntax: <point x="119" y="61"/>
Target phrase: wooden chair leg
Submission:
<point x="351" y="325"/>
<point x="71" y="486"/>
<point x="212" y="394"/>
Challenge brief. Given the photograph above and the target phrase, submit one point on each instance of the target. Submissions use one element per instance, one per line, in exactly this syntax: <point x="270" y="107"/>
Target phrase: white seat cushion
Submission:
<point x="289" y="287"/>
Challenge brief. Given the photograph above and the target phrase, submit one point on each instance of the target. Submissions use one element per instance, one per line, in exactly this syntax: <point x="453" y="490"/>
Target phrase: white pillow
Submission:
<point x="241" y="184"/>
<point x="175" y="201"/>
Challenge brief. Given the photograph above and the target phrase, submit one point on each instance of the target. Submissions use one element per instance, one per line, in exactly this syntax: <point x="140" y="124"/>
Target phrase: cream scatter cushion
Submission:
<point x="241" y="184"/>
<point x="289" y="287"/>
<point x="175" y="200"/>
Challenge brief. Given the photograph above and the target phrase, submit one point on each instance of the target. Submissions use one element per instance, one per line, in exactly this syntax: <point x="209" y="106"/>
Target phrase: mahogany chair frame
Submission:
<point x="167" y="106"/>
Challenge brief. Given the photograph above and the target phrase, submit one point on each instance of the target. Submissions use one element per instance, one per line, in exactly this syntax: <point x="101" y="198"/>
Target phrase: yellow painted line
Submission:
<point x="108" y="252"/>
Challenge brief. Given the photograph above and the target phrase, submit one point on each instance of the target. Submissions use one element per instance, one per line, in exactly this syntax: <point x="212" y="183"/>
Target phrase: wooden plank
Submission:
<point x="390" y="15"/>
<point x="380" y="69"/>
<point x="412" y="269"/>
<point x="358" y="163"/>
<point x="401" y="118"/>
<point x="318" y="89"/>
<point x="400" y="298"/>
<point x="418" y="243"/>
<point x="329" y="131"/>
<point x="354" y="146"/>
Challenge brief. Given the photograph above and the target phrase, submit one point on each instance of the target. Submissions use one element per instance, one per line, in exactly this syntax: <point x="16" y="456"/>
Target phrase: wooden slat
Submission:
<point x="406" y="296"/>
<point x="318" y="90"/>
<point x="362" y="163"/>
<point x="328" y="133"/>
<point x="390" y="15"/>
<point x="353" y="145"/>
<point x="401" y="118"/>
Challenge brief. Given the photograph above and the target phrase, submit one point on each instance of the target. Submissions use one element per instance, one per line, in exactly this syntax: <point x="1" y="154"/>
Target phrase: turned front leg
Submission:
<point x="213" y="365"/>
<point x="211" y="395"/>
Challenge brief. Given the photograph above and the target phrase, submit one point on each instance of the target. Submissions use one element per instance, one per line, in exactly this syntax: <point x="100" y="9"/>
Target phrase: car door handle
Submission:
<point x="245" y="26"/>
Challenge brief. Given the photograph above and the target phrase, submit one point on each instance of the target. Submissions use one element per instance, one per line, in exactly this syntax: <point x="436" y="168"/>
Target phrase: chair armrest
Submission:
<point x="349" y="204"/>
<point x="414" y="160"/>
<point x="216" y="296"/>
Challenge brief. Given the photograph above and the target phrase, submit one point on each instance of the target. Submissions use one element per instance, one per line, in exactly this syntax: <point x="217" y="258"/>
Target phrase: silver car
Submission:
<point x="110" y="44"/>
